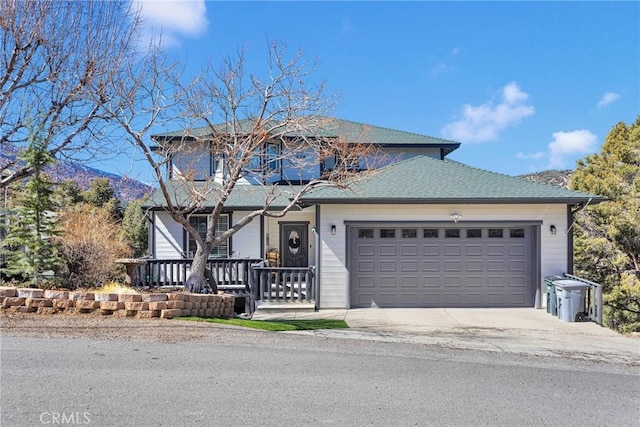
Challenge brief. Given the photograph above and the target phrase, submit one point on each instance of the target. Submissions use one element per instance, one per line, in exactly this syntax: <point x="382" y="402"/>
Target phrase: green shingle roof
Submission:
<point x="423" y="179"/>
<point x="332" y="127"/>
<point x="420" y="179"/>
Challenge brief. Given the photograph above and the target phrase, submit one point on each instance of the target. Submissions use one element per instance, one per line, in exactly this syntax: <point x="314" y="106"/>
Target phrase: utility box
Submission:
<point x="570" y="299"/>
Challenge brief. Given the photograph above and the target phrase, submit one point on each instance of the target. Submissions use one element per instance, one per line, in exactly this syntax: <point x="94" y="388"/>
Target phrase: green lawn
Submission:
<point x="275" y="325"/>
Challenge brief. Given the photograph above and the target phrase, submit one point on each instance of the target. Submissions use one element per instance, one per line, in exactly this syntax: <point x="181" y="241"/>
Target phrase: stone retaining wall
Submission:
<point x="162" y="305"/>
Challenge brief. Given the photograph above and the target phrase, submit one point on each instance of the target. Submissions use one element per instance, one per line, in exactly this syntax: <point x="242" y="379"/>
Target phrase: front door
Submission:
<point x="294" y="244"/>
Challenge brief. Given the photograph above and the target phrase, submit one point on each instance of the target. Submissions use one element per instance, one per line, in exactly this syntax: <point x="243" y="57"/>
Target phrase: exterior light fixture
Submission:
<point x="333" y="230"/>
<point x="552" y="230"/>
<point x="456" y="217"/>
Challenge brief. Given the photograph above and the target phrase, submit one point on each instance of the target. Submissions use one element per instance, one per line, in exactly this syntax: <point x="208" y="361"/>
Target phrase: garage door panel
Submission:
<point x="431" y="250"/>
<point x="388" y="250"/>
<point x="387" y="265"/>
<point x="517" y="250"/>
<point x="517" y="281"/>
<point x="452" y="250"/>
<point x="430" y="265"/>
<point x="430" y="281"/>
<point x="366" y="281"/>
<point x="453" y="265"/>
<point x="388" y="281"/>
<point x="475" y="281"/>
<point x="452" y="281"/>
<point x="365" y="250"/>
<point x="420" y="267"/>
<point x="474" y="250"/>
<point x="495" y="250"/>
<point x="495" y="265"/>
<point x="517" y="266"/>
<point x="409" y="266"/>
<point x="365" y="266"/>
<point x="517" y="300"/>
<point x="475" y="299"/>
<point x="474" y="266"/>
<point x="496" y="281"/>
<point x="409" y="250"/>
<point x="386" y="299"/>
<point x="409" y="281"/>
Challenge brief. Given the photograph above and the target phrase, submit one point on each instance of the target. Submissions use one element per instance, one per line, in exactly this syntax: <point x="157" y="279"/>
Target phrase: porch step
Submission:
<point x="280" y="306"/>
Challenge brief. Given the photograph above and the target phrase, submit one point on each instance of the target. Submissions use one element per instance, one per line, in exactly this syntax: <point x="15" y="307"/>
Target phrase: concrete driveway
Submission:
<point x="514" y="330"/>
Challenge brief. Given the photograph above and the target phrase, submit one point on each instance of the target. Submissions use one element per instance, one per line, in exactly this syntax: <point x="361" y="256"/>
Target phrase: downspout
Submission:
<point x="318" y="242"/>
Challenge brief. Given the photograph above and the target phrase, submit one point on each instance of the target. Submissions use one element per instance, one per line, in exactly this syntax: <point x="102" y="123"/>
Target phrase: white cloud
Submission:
<point x="564" y="144"/>
<point x="484" y="122"/>
<point x="172" y="19"/>
<point x="608" y="98"/>
<point x="532" y="156"/>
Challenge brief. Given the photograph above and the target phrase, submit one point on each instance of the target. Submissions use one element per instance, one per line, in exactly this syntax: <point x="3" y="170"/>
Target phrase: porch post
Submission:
<point x="318" y="242"/>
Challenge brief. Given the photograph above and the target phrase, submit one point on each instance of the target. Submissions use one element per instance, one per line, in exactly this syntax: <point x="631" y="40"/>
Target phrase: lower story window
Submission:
<point x="200" y="222"/>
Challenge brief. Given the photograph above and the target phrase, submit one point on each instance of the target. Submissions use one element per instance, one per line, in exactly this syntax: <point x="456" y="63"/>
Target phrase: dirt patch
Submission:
<point x="96" y="326"/>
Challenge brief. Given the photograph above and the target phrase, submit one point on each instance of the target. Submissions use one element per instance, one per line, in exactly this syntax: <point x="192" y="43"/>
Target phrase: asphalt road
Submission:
<point x="267" y="379"/>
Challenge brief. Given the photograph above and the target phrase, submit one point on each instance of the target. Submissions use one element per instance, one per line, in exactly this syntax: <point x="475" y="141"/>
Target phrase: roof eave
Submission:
<point x="454" y="201"/>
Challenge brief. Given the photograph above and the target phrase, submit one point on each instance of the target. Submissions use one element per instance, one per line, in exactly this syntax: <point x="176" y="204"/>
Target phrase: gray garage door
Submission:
<point x="446" y="266"/>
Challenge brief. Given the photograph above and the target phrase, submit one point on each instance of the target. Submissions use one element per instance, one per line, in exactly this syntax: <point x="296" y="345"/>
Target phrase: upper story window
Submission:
<point x="200" y="223"/>
<point x="195" y="165"/>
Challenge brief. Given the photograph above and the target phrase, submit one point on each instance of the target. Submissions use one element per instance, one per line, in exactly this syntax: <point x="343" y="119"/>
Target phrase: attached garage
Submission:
<point x="443" y="265"/>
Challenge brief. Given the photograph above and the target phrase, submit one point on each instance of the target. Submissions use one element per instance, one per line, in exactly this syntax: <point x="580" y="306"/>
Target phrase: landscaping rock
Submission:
<point x="177" y="297"/>
<point x="29" y="293"/>
<point x="136" y="306"/>
<point x="105" y="297"/>
<point x="173" y="304"/>
<point x="23" y="309"/>
<point x="129" y="297"/>
<point x="13" y="301"/>
<point x="87" y="305"/>
<point x="147" y="314"/>
<point x="47" y="310"/>
<point x="111" y="305"/>
<point x="62" y="304"/>
<point x="170" y="313"/>
<point x="8" y="291"/>
<point x="80" y="295"/>
<point x="125" y="313"/>
<point x="38" y="302"/>
<point x="154" y="297"/>
<point x="158" y="305"/>
<point x="56" y="294"/>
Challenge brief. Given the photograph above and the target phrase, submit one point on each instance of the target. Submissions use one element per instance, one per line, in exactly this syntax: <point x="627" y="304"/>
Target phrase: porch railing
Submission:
<point x="229" y="274"/>
<point x="284" y="284"/>
<point x="245" y="277"/>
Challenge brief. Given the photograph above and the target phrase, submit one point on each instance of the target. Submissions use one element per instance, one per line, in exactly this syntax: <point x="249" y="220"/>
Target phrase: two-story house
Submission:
<point x="424" y="231"/>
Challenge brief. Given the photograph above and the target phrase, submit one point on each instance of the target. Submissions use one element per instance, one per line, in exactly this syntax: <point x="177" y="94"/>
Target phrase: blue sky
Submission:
<point x="524" y="86"/>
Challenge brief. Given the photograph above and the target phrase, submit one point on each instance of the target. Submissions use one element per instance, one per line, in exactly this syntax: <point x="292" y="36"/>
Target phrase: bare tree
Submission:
<point x="58" y="62"/>
<point x="247" y="122"/>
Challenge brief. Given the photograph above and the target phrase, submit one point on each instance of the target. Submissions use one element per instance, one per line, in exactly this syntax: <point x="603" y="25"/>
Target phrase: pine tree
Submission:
<point x="608" y="234"/>
<point x="135" y="228"/>
<point x="30" y="245"/>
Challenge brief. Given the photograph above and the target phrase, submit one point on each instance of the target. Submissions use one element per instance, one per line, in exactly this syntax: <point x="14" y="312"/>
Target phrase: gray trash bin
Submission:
<point x="570" y="299"/>
<point x="552" y="297"/>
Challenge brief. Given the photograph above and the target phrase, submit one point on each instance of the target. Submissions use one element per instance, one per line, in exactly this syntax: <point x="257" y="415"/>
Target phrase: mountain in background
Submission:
<point x="126" y="189"/>
<point x="560" y="178"/>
